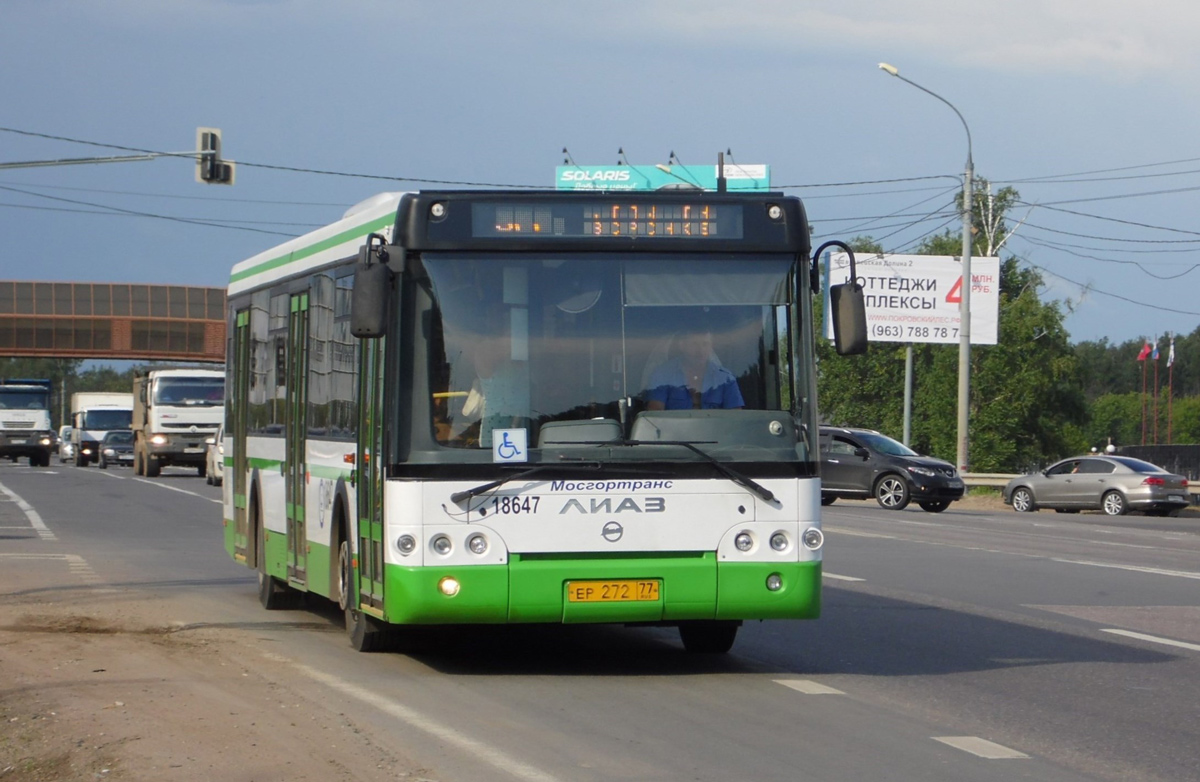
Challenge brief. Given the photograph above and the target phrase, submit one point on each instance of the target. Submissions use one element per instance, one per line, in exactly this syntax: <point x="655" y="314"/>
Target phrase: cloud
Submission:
<point x="1062" y="36"/>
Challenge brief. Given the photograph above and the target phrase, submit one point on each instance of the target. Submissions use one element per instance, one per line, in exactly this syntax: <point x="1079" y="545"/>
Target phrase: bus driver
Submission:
<point x="693" y="379"/>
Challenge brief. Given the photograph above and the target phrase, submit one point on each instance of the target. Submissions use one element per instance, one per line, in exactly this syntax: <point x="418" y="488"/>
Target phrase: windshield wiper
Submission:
<point x="467" y="494"/>
<point x="724" y="469"/>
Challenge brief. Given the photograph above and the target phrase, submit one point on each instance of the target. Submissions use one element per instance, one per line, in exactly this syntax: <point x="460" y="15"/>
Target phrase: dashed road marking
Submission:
<point x="1154" y="639"/>
<point x="176" y="488"/>
<point x="836" y="577"/>
<point x="42" y="530"/>
<point x="980" y="747"/>
<point x="808" y="687"/>
<point x="1135" y="568"/>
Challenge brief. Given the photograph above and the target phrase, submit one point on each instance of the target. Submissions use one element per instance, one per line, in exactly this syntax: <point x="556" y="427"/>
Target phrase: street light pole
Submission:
<point x="964" y="306"/>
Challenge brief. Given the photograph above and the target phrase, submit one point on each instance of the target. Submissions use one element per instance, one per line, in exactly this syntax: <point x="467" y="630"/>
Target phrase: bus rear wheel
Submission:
<point x="708" y="637"/>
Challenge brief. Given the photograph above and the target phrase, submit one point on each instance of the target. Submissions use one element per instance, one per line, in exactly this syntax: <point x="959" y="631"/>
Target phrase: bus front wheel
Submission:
<point x="367" y="634"/>
<point x="704" y="637"/>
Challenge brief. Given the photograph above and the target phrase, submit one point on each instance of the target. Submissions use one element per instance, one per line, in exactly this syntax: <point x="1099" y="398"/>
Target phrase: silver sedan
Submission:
<point x="1113" y="484"/>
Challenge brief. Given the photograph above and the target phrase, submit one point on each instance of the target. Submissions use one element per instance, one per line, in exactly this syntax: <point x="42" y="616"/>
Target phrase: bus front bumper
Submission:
<point x="534" y="589"/>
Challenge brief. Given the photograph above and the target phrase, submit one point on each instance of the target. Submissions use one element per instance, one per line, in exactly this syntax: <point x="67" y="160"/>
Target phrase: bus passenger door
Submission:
<point x="238" y="399"/>
<point x="370" y="461"/>
<point x="297" y="428"/>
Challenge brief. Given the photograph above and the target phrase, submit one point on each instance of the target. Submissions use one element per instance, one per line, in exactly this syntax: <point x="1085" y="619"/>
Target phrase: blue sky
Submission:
<point x="1087" y="107"/>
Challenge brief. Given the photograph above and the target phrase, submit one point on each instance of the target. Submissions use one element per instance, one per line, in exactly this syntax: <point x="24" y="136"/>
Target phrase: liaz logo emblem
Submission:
<point x="606" y="506"/>
<point x="612" y="532"/>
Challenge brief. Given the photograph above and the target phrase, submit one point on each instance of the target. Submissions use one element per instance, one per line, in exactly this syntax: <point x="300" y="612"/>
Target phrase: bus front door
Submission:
<point x="237" y="418"/>
<point x="370" y="461"/>
<point x="295" y="470"/>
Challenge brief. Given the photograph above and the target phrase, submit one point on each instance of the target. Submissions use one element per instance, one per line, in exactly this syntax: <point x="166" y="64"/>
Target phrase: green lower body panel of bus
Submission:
<point x="659" y="588"/>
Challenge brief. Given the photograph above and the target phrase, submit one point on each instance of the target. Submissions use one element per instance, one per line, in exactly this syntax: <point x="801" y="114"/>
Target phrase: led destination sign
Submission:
<point x="634" y="219"/>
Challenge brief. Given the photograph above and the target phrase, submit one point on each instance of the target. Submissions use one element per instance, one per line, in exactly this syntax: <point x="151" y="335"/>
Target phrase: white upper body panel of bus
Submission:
<point x="318" y="248"/>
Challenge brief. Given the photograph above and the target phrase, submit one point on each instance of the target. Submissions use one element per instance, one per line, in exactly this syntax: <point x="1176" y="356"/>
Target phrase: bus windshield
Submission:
<point x="594" y="343"/>
<point x="189" y="391"/>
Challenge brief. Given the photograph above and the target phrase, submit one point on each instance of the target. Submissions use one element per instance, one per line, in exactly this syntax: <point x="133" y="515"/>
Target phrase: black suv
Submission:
<point x="860" y="463"/>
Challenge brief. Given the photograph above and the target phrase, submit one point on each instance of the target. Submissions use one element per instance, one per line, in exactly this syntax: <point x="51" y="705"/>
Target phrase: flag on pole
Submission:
<point x="1154" y="353"/>
<point x="1145" y="352"/>
<point x="1171" y="353"/>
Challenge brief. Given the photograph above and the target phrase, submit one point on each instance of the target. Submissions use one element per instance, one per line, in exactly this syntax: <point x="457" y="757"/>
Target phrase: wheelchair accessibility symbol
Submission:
<point x="510" y="445"/>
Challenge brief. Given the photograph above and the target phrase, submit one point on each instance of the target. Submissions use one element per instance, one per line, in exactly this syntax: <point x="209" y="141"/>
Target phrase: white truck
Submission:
<point x="93" y="415"/>
<point x="25" y="421"/>
<point x="174" y="412"/>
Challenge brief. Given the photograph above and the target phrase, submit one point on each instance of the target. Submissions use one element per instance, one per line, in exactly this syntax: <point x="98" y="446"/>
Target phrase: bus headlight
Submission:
<point x="744" y="541"/>
<point x="813" y="539"/>
<point x="779" y="541"/>
<point x="441" y="545"/>
<point x="407" y="544"/>
<point x="449" y="586"/>
<point x="477" y="544"/>
<point x="774" y="582"/>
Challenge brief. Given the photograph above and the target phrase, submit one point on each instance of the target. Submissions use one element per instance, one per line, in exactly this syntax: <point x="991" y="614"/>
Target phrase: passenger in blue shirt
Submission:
<point x="693" y="380"/>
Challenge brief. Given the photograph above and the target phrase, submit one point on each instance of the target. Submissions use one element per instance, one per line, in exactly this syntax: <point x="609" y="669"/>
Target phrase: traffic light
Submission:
<point x="210" y="167"/>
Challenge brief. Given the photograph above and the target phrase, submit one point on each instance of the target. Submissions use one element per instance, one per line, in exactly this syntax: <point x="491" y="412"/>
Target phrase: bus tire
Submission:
<point x="707" y="637"/>
<point x="272" y="593"/>
<point x="367" y="634"/>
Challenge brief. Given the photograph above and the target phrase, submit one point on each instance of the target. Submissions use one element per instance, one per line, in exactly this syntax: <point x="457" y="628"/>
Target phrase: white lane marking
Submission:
<point x="1135" y="568"/>
<point x="836" y="577"/>
<point x="808" y="687"/>
<point x="75" y="563"/>
<point x="980" y="747"/>
<point x="42" y="530"/>
<point x="1154" y="639"/>
<point x="855" y="533"/>
<point x="176" y="488"/>
<point x="494" y="757"/>
<point x="108" y="474"/>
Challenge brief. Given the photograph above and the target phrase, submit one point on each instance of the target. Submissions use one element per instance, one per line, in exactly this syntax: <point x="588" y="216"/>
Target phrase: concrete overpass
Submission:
<point x="112" y="320"/>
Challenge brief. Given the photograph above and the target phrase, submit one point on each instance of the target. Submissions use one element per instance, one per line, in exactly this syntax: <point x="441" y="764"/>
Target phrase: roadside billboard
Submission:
<point x="755" y="177"/>
<point x="916" y="298"/>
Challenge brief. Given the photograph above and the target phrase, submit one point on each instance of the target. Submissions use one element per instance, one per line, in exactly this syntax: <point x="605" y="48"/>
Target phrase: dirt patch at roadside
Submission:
<point x="89" y="697"/>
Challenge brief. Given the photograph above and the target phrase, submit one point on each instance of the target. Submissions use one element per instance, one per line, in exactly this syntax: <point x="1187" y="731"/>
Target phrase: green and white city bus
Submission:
<point x="480" y="407"/>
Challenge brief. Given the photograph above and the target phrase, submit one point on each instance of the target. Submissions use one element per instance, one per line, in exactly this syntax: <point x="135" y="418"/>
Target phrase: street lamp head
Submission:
<point x="892" y="69"/>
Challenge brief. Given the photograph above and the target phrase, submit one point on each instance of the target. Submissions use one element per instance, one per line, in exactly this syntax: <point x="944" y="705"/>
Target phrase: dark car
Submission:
<point x="116" y="448"/>
<point x="1113" y="484"/>
<point x="860" y="463"/>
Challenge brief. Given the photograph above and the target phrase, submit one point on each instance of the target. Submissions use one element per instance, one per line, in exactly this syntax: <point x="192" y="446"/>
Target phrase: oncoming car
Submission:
<point x="214" y="456"/>
<point x="861" y="463"/>
<point x="116" y="448"/>
<point x="1113" y="484"/>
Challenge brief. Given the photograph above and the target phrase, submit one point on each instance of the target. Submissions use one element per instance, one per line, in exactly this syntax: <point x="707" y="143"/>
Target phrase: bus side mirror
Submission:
<point x="847" y="306"/>
<point x="849" y="309"/>
<point x="372" y="283"/>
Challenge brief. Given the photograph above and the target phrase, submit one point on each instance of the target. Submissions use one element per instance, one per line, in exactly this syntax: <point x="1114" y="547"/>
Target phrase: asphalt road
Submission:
<point x="966" y="645"/>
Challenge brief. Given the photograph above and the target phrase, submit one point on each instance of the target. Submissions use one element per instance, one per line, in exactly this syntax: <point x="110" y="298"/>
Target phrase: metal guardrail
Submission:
<point x="996" y="479"/>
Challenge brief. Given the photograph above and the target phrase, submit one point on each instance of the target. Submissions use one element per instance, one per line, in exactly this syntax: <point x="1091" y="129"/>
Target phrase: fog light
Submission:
<point x="442" y="545"/>
<point x="774" y="582"/>
<point x="743" y="541"/>
<point x="448" y="586"/>
<point x="477" y="543"/>
<point x="407" y="544"/>
<point x="779" y="541"/>
<point x="813" y="539"/>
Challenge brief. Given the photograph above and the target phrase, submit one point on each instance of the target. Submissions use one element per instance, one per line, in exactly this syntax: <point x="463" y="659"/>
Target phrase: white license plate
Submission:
<point x="195" y="449"/>
<point x="1178" y="498"/>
